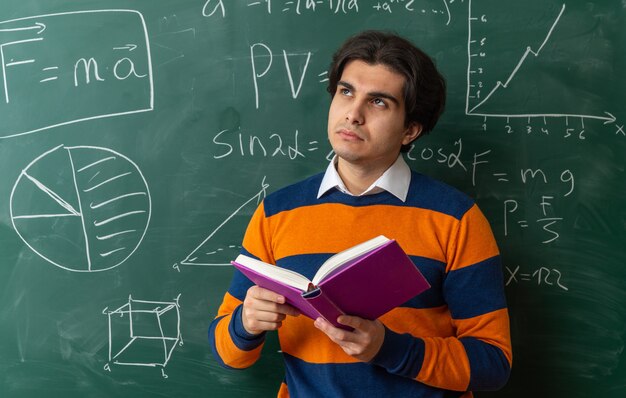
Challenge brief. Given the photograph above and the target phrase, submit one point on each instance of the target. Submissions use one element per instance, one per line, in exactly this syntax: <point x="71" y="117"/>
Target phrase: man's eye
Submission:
<point x="378" y="102"/>
<point x="345" y="91"/>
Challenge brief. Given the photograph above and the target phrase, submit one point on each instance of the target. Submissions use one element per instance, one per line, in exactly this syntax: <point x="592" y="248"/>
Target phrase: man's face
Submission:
<point x="366" y="117"/>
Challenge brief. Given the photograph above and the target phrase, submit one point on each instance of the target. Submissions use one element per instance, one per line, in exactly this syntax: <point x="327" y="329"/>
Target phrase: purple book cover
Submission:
<point x="375" y="283"/>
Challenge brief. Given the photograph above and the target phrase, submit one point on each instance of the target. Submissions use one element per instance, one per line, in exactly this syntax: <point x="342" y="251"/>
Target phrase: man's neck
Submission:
<point x="358" y="178"/>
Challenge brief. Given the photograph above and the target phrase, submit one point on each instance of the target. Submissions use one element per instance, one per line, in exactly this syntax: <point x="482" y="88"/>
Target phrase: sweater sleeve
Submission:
<point x="231" y="344"/>
<point x="478" y="356"/>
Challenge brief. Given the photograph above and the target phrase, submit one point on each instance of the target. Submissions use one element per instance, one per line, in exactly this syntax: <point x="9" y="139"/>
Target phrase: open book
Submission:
<point x="366" y="280"/>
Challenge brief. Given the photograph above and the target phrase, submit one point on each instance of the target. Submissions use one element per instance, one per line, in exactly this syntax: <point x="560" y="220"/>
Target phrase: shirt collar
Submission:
<point x="395" y="180"/>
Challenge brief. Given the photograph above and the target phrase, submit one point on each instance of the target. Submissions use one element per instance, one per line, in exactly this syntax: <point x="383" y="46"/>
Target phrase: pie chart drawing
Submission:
<point x="81" y="208"/>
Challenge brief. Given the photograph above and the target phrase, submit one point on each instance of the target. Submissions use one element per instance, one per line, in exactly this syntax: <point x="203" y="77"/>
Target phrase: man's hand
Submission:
<point x="264" y="310"/>
<point x="363" y="343"/>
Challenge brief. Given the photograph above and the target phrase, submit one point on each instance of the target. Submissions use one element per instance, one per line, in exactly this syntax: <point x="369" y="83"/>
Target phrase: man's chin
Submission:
<point x="349" y="157"/>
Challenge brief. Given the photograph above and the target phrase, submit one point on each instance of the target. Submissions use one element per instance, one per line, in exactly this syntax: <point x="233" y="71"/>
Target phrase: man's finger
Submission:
<point x="288" y="310"/>
<point x="339" y="336"/>
<point x="264" y="326"/>
<point x="267" y="316"/>
<point x="266" y="295"/>
<point x="266" y="300"/>
<point x="352" y="321"/>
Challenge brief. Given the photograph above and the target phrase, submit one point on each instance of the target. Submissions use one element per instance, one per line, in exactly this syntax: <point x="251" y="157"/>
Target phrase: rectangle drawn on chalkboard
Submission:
<point x="64" y="69"/>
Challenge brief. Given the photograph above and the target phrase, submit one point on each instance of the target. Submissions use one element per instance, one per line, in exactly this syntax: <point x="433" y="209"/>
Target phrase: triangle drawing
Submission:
<point x="224" y="243"/>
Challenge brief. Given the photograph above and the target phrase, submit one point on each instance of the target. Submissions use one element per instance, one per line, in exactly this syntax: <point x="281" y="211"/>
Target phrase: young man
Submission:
<point x="446" y="342"/>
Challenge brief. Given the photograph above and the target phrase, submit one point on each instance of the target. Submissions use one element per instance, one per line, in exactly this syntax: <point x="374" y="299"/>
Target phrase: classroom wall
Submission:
<point x="137" y="137"/>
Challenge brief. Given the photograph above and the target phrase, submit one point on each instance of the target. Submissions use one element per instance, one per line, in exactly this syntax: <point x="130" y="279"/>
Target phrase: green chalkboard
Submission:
<point x="137" y="137"/>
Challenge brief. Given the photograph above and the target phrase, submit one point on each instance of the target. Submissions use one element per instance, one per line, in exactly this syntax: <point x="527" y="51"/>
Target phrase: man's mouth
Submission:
<point x="349" y="135"/>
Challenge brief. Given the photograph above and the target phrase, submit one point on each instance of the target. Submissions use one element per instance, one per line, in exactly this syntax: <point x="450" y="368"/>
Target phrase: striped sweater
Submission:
<point x="446" y="342"/>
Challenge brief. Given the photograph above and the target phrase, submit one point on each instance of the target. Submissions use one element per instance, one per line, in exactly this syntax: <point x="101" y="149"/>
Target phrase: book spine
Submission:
<point x="325" y="307"/>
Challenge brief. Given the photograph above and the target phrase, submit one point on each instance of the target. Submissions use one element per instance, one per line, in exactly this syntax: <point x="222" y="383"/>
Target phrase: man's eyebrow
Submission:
<point x="373" y="94"/>
<point x="345" y="84"/>
<point x="382" y="94"/>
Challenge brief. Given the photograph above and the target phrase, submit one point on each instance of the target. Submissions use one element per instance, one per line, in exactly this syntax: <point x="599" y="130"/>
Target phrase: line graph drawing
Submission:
<point x="483" y="65"/>
<point x="528" y="51"/>
<point x="143" y="333"/>
<point x="210" y="253"/>
<point x="81" y="208"/>
<point x="49" y="64"/>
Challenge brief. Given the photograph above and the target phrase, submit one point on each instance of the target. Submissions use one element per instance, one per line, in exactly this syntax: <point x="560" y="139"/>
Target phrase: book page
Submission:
<point x="283" y="275"/>
<point x="346" y="256"/>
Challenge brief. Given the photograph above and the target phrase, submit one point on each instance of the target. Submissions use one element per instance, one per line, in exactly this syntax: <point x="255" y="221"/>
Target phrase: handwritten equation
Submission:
<point x="244" y="144"/>
<point x="218" y="8"/>
<point x="96" y="63"/>
<point x="558" y="185"/>
<point x="299" y="6"/>
<point x="540" y="276"/>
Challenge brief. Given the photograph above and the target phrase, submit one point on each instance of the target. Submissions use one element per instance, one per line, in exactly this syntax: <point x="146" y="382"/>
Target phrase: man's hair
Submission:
<point x="424" y="88"/>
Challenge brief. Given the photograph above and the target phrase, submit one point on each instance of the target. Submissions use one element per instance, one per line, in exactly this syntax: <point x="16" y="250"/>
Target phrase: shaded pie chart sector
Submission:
<point x="82" y="208"/>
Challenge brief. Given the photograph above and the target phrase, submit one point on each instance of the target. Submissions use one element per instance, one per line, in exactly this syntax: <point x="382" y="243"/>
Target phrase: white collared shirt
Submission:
<point x="395" y="180"/>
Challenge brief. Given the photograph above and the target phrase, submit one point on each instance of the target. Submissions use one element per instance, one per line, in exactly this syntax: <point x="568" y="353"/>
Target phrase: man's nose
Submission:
<point x="355" y="113"/>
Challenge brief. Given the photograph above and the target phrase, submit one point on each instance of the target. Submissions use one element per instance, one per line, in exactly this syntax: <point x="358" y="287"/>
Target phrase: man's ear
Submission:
<point x="412" y="133"/>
